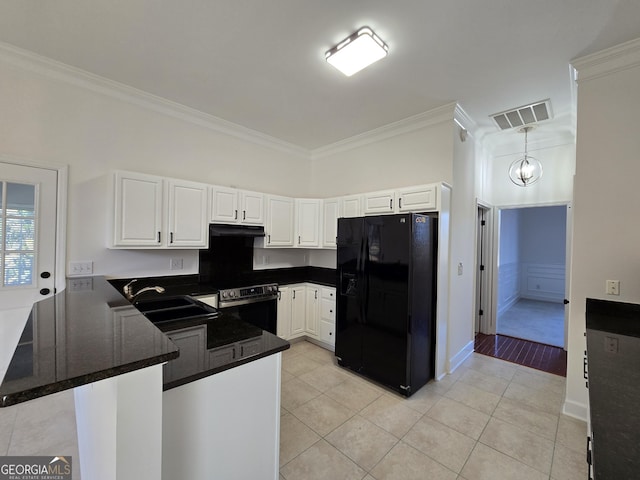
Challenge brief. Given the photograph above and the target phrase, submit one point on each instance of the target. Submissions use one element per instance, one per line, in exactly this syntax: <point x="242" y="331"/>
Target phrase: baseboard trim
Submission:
<point x="461" y="356"/>
<point x="576" y="410"/>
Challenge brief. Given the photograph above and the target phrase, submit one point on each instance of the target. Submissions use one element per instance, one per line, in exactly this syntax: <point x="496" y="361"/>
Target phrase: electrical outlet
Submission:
<point x="611" y="344"/>
<point x="613" y="287"/>
<point x="460" y="268"/>
<point x="81" y="284"/>
<point x="77" y="269"/>
<point x="176" y="264"/>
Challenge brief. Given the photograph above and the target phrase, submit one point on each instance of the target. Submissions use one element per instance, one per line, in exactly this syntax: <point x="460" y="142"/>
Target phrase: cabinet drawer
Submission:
<point x="222" y="356"/>
<point x="327" y="332"/>
<point x="328" y="310"/>
<point x="329" y="293"/>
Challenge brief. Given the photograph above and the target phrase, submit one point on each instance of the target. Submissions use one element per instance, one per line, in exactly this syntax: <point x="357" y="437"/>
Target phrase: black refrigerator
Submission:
<point x="386" y="302"/>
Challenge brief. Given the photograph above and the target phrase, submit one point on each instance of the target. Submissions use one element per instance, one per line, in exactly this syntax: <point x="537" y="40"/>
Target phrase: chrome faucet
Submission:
<point x="128" y="290"/>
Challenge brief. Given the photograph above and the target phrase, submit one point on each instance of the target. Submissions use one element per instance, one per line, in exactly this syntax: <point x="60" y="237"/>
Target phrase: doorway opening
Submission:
<point x="531" y="271"/>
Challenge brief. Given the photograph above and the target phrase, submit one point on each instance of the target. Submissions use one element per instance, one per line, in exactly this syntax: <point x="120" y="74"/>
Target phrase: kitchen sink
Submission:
<point x="164" y="303"/>
<point x="174" y="308"/>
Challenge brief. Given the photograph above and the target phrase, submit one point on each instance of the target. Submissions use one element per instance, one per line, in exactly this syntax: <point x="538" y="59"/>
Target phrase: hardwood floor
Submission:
<point x="523" y="352"/>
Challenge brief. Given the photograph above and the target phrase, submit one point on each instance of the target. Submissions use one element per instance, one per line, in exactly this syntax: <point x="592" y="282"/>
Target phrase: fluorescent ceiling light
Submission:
<point x="357" y="51"/>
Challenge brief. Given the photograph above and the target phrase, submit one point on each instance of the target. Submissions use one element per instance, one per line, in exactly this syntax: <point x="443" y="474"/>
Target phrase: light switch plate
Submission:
<point x="613" y="287"/>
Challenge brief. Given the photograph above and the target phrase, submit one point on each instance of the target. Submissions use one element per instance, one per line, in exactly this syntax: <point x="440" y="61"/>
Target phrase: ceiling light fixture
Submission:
<point x="526" y="170"/>
<point x="357" y="51"/>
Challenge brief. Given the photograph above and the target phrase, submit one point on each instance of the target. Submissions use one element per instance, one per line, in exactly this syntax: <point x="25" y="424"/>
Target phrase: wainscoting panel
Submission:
<point x="508" y="286"/>
<point x="544" y="282"/>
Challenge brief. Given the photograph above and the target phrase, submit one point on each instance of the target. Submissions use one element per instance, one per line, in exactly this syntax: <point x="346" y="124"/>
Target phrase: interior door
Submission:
<point x="386" y="270"/>
<point x="28" y="199"/>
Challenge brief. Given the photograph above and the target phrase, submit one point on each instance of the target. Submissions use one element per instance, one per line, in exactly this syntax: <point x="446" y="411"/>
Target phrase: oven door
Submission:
<point x="262" y="313"/>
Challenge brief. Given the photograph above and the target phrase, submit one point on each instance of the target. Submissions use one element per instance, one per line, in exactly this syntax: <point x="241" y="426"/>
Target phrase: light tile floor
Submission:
<point x="489" y="420"/>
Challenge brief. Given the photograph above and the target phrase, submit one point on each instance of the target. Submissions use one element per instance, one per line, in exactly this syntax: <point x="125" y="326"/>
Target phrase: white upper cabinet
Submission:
<point x="187" y="224"/>
<point x="383" y="201"/>
<point x="229" y="205"/>
<point x="307" y="223"/>
<point x="279" y="227"/>
<point x="137" y="210"/>
<point x="252" y="210"/>
<point x="421" y="198"/>
<point x="331" y="212"/>
<point x="352" y="206"/>
<point x="153" y="212"/>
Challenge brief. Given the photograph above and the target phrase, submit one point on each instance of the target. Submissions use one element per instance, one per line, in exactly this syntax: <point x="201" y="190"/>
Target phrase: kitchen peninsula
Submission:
<point x="90" y="338"/>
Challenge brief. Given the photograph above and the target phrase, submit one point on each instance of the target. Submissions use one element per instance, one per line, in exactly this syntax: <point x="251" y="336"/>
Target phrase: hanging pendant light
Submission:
<point x="526" y="170"/>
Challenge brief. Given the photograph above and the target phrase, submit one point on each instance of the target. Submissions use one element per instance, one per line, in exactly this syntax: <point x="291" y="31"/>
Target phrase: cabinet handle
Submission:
<point x="400" y="202"/>
<point x="391" y="204"/>
<point x="244" y="215"/>
<point x="234" y="353"/>
<point x="279" y="295"/>
<point x="268" y="238"/>
<point x="171" y="237"/>
<point x="330" y="311"/>
<point x="235" y="217"/>
<point x="298" y="239"/>
<point x="158" y="237"/>
<point x="316" y="294"/>
<point x="294" y="294"/>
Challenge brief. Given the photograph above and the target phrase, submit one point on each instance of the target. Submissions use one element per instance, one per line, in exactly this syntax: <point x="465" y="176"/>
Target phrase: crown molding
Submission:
<point x="610" y="60"/>
<point x="59" y="71"/>
<point x="445" y="113"/>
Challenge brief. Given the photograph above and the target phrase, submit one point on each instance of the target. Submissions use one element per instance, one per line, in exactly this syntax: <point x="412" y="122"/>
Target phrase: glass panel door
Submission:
<point x="18" y="233"/>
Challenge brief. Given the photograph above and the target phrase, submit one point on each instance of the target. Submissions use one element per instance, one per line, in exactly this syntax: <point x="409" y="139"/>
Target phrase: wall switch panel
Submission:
<point x="611" y="344"/>
<point x="613" y="287"/>
<point x="176" y="264"/>
<point x="77" y="269"/>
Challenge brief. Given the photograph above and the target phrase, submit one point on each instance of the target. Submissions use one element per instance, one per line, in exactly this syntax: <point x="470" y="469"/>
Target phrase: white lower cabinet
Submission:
<point x="307" y="309"/>
<point x="192" y="343"/>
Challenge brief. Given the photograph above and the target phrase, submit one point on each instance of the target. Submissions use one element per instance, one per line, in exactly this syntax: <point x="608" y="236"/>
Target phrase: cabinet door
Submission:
<point x="224" y="205"/>
<point x="192" y="344"/>
<point x="331" y="213"/>
<point x="312" y="310"/>
<point x="422" y="198"/>
<point x="138" y="210"/>
<point x="298" y="310"/>
<point x="352" y="206"/>
<point x="252" y="211"/>
<point x="279" y="229"/>
<point x="188" y="226"/>
<point x="307" y="223"/>
<point x="284" y="312"/>
<point x="327" y="315"/>
<point x="379" y="202"/>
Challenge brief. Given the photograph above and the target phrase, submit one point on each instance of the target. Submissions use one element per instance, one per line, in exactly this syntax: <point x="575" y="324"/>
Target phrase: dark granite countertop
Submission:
<point x="78" y="336"/>
<point x="92" y="332"/>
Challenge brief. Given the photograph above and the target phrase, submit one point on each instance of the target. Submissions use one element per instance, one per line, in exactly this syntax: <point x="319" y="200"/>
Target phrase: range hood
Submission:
<point x="224" y="230"/>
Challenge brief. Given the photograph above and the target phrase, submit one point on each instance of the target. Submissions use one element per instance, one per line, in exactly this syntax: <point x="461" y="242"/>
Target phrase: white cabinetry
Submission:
<point x="298" y="310"/>
<point x="154" y="212"/>
<point x="332" y="210"/>
<point x="352" y="206"/>
<point x="192" y="343"/>
<point x="307" y="309"/>
<point x="421" y="198"/>
<point x="307" y="222"/>
<point x="279" y="228"/>
<point x="379" y="202"/>
<point x="187" y="214"/>
<point x="327" y="320"/>
<point x="312" y="311"/>
<point x="284" y="312"/>
<point x="229" y="205"/>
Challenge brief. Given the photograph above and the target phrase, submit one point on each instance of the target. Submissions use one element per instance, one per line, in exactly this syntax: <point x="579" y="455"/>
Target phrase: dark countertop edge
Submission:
<point x="10" y="399"/>
<point x="207" y="373"/>
<point x="613" y="317"/>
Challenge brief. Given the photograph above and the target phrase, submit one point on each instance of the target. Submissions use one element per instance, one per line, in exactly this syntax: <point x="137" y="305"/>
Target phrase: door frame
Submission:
<point x="485" y="323"/>
<point x="568" y="257"/>
<point x="61" y="213"/>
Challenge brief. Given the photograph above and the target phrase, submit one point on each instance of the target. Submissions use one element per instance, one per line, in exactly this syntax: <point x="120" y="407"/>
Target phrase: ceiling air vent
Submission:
<point x="525" y="115"/>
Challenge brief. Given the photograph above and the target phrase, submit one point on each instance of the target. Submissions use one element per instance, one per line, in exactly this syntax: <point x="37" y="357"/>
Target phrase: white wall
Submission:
<point x="543" y="234"/>
<point x="509" y="259"/>
<point x="53" y="122"/>
<point x="606" y="230"/>
<point x="461" y="329"/>
<point x="555" y="186"/>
